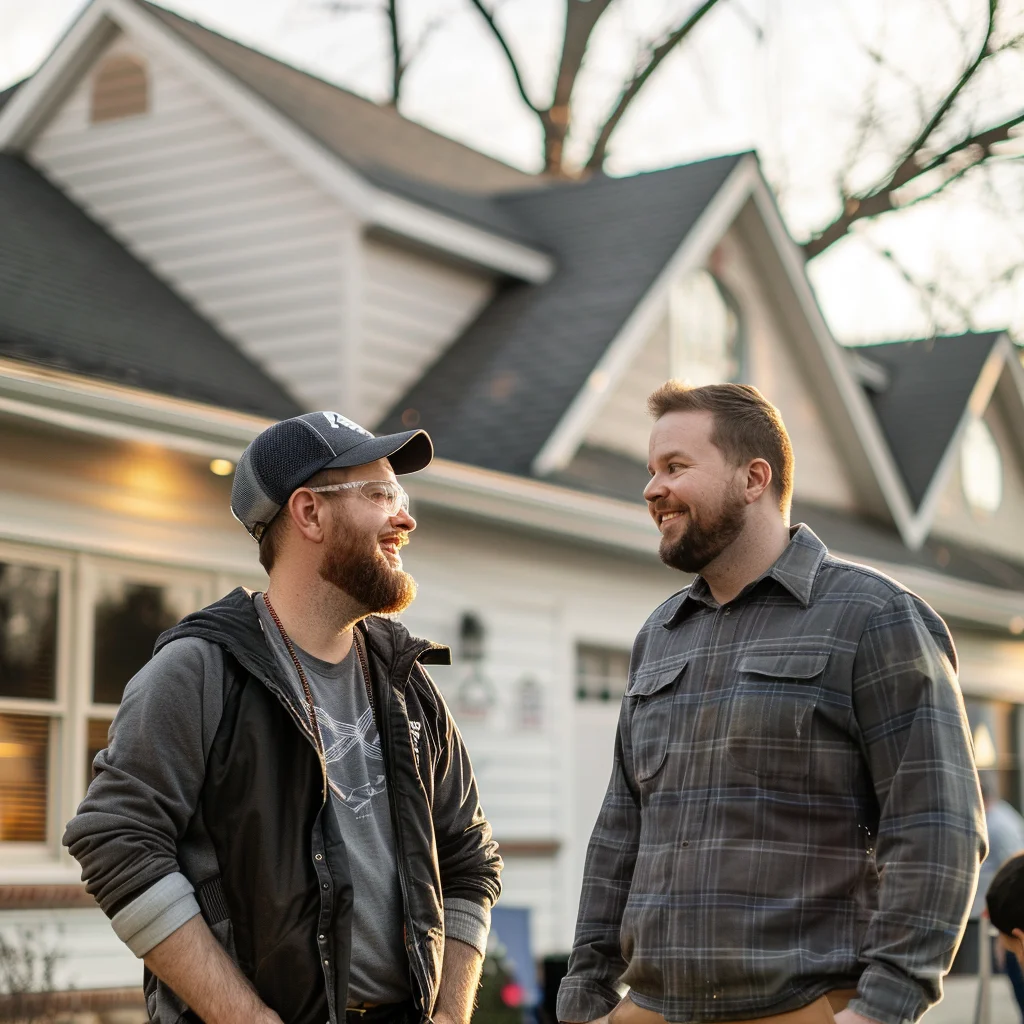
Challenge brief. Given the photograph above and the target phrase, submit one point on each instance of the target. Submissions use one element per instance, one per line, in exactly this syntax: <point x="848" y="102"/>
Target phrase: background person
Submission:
<point x="285" y="825"/>
<point x="1005" y="838"/>
<point x="793" y="824"/>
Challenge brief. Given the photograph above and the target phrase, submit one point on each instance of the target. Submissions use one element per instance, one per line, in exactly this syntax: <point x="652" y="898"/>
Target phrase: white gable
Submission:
<point x="1000" y="531"/>
<point x="414" y="306"/>
<point x="622" y="425"/>
<point x="218" y="214"/>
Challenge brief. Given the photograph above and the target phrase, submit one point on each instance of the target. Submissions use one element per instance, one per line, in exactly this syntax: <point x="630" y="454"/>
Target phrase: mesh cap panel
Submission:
<point x="276" y="462"/>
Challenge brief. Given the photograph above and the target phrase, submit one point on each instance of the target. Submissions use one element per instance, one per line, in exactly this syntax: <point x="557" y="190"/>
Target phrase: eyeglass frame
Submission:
<point x="403" y="494"/>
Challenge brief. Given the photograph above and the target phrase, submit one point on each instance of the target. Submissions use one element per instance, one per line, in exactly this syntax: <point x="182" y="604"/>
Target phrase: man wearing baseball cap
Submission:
<point x="285" y="824"/>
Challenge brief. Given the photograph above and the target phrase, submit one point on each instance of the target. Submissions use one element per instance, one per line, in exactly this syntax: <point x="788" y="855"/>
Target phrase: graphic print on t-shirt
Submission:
<point x="354" y="750"/>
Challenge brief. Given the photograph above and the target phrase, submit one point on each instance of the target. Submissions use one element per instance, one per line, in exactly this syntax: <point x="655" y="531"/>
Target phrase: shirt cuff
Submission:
<point x="467" y="922"/>
<point x="162" y="909"/>
<point x="889" y="998"/>
<point x="581" y="999"/>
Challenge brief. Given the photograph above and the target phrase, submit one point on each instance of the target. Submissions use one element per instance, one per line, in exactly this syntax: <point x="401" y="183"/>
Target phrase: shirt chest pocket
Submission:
<point x="653" y="696"/>
<point x="770" y="714"/>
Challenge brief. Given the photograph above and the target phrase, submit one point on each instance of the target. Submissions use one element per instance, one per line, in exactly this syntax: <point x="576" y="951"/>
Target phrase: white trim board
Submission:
<point x="102" y="19"/>
<point x="110" y="410"/>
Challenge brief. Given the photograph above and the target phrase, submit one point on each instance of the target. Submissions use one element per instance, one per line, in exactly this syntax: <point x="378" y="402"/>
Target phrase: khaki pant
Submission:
<point x="821" y="1011"/>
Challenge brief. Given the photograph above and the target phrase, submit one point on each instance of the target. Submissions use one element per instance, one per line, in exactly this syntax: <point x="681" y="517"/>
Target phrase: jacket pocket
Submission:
<point x="653" y="696"/>
<point x="770" y="714"/>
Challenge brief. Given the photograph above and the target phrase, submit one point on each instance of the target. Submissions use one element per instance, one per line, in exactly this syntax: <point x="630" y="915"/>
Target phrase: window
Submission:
<point x="705" y="332"/>
<point x="120" y="88"/>
<point x="601" y="673"/>
<point x="31" y="711"/>
<point x="981" y="467"/>
<point x="73" y="630"/>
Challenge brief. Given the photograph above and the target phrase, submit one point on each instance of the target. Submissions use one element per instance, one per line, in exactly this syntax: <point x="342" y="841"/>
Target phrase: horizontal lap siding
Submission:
<point x="223" y="218"/>
<point x="414" y="307"/>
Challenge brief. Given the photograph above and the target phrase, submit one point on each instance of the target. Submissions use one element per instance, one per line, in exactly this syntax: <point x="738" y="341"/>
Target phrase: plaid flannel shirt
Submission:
<point x="793" y="807"/>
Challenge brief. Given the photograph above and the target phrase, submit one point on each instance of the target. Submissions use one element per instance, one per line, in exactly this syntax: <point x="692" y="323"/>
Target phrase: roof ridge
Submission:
<point x="170" y="17"/>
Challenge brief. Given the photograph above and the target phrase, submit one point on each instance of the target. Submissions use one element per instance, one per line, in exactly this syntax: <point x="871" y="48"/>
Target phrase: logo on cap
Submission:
<point x="336" y="420"/>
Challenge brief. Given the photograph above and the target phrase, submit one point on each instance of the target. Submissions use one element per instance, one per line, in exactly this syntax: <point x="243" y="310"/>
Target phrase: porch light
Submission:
<point x="222" y="467"/>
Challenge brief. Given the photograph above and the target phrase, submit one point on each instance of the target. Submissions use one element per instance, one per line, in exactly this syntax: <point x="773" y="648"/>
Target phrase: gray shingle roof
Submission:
<point x="495" y="396"/>
<point x="929" y="385"/>
<point x="395" y="153"/>
<point x="73" y="298"/>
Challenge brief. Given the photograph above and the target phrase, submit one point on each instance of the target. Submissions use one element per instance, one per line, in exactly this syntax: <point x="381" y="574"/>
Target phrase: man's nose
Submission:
<point x="403" y="521"/>
<point x="655" y="489"/>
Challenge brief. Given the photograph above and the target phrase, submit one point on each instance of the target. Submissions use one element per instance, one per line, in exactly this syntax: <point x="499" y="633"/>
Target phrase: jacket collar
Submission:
<point x="795" y="570"/>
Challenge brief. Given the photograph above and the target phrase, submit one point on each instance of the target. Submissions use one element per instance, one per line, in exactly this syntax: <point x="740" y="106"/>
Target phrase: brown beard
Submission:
<point x="705" y="538"/>
<point x="366" y="576"/>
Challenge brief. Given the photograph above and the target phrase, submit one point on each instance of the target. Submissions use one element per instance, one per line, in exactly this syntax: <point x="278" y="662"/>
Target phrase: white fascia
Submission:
<point x="856" y="406"/>
<point x="694" y="252"/>
<point x="102" y="19"/>
<point x="403" y="217"/>
<point x="1001" y="357"/>
<point x="535" y="505"/>
<point x="85" y="406"/>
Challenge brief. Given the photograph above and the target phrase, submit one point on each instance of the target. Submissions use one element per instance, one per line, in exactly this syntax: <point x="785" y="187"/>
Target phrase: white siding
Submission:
<point x="217" y="213"/>
<point x="623" y="425"/>
<point x="1001" y="531"/>
<point x="413" y="308"/>
<point x="773" y="368"/>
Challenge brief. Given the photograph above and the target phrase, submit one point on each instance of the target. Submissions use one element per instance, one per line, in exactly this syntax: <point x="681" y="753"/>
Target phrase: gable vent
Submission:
<point x="120" y="88"/>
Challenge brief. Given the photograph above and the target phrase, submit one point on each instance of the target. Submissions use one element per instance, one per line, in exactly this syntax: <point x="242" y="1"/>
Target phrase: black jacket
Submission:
<point x="278" y="893"/>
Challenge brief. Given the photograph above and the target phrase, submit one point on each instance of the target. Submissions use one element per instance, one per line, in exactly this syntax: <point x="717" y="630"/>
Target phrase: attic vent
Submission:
<point x="120" y="88"/>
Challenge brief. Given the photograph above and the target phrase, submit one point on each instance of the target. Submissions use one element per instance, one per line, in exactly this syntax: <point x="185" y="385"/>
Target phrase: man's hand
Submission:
<point x="195" y="965"/>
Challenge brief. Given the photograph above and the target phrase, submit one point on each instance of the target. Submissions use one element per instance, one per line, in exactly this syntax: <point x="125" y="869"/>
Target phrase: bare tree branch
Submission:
<point x="397" y="67"/>
<point x="503" y="43"/>
<point x="911" y="164"/>
<point x="636" y="83"/>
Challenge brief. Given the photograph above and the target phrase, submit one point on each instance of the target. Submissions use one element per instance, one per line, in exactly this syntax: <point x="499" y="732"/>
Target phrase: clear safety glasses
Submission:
<point x="385" y="494"/>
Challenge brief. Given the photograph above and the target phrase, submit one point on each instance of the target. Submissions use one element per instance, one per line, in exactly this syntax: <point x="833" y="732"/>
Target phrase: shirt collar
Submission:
<point x="795" y="569"/>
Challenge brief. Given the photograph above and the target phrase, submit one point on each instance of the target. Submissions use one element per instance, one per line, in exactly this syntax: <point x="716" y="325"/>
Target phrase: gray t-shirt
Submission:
<point x="379" y="968"/>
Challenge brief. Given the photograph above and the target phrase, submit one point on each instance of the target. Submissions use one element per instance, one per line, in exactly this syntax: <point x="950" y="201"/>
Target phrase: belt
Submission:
<point x="382" y="1013"/>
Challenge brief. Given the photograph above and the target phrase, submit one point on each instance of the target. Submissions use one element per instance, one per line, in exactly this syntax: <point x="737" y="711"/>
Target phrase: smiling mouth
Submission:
<point x="667" y="517"/>
<point x="392" y="545"/>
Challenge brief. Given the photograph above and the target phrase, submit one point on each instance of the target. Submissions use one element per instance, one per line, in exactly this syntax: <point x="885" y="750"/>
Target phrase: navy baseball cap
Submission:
<point x="285" y="455"/>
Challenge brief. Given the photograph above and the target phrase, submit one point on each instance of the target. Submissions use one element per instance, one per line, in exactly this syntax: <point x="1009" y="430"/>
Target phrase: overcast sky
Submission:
<point x="789" y="78"/>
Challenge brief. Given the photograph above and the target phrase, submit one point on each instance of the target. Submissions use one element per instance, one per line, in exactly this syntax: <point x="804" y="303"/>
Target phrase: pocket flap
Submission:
<point x="784" y="666"/>
<point x="650" y="682"/>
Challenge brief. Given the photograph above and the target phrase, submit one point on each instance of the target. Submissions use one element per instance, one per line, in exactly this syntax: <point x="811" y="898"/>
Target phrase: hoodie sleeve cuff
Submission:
<point x="162" y="909"/>
<point x="467" y="922"/>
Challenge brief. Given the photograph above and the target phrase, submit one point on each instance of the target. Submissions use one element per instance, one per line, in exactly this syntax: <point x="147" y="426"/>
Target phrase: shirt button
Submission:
<point x="319" y="856"/>
<point x="326" y="886"/>
<point x="326" y="962"/>
<point x="686" y="842"/>
<point x="323" y="938"/>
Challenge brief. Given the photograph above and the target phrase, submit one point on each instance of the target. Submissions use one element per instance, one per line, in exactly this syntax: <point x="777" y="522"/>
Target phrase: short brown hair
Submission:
<point x="747" y="426"/>
<point x="270" y="539"/>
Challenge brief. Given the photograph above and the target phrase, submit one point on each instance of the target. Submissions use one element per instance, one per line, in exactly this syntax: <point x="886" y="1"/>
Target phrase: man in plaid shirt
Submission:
<point x="793" y="827"/>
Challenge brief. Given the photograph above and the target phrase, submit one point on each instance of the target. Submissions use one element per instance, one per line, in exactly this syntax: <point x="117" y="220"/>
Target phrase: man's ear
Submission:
<point x="1018" y="934"/>
<point x="305" y="514"/>
<point x="759" y="479"/>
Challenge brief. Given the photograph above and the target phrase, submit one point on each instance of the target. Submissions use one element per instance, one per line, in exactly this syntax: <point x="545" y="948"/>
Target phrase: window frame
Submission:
<point x="79" y="583"/>
<point x="59" y="709"/>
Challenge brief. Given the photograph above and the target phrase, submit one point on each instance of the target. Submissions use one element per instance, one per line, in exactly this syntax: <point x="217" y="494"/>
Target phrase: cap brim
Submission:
<point x="408" y="452"/>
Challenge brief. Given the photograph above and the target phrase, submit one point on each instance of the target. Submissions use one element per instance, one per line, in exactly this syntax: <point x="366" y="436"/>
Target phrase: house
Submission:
<point x="198" y="239"/>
